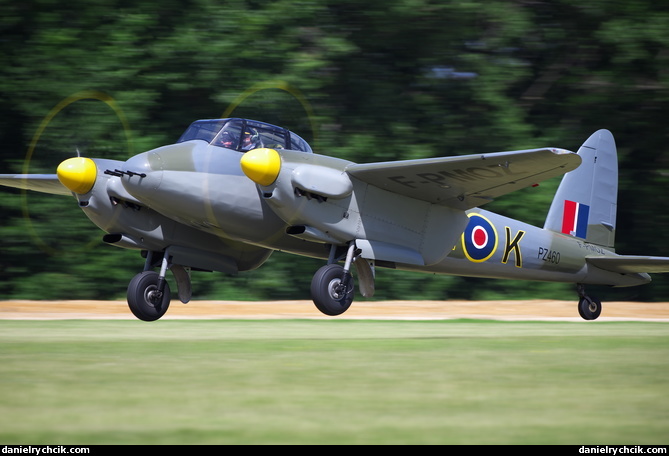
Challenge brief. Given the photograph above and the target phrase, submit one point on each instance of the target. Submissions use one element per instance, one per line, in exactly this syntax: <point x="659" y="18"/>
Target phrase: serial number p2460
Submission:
<point x="550" y="256"/>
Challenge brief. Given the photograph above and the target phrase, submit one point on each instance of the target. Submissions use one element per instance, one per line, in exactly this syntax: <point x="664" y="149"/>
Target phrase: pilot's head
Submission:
<point x="246" y="139"/>
<point x="226" y="140"/>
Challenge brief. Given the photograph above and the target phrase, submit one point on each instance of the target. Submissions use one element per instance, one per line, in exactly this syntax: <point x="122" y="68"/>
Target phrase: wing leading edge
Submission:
<point x="467" y="181"/>
<point x="45" y="183"/>
<point x="630" y="264"/>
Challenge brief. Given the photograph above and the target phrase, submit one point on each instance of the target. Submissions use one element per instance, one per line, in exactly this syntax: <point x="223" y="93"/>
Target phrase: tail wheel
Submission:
<point x="589" y="307"/>
<point x="145" y="300"/>
<point x="332" y="290"/>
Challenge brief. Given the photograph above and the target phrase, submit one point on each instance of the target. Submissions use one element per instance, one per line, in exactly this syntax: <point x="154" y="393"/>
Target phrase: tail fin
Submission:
<point x="586" y="201"/>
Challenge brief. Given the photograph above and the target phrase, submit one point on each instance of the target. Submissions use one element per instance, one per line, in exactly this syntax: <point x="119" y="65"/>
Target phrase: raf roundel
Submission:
<point x="479" y="239"/>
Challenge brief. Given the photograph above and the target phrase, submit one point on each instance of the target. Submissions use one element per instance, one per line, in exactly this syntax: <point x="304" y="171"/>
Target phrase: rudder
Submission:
<point x="586" y="201"/>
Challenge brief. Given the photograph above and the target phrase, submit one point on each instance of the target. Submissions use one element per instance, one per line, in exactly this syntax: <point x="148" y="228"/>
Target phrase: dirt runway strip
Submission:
<point x="399" y="310"/>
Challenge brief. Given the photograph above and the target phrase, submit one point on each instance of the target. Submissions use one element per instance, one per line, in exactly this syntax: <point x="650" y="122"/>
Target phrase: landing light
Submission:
<point x="77" y="174"/>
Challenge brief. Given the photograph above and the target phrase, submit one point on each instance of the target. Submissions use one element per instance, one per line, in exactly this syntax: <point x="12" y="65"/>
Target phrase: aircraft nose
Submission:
<point x="77" y="174"/>
<point x="262" y="166"/>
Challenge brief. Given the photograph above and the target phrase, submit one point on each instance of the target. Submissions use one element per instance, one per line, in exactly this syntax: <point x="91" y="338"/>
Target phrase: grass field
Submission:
<point x="333" y="382"/>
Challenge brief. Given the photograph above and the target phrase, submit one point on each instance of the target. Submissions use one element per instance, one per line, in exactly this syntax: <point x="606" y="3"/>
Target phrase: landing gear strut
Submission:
<point x="589" y="307"/>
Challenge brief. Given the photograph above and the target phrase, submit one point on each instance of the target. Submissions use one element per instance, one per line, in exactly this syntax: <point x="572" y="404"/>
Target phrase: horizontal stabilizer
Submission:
<point x="630" y="264"/>
<point x="45" y="183"/>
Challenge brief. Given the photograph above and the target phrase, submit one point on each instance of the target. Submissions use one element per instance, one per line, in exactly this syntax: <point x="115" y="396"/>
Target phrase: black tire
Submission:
<point x="589" y="307"/>
<point x="140" y="301"/>
<point x="326" y="293"/>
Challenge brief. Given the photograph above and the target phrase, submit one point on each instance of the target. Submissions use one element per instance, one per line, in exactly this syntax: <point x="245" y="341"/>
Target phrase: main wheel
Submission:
<point x="144" y="300"/>
<point x="328" y="291"/>
<point x="589" y="307"/>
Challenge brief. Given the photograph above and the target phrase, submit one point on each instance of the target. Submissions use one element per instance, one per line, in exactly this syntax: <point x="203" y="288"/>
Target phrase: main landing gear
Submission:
<point x="149" y="293"/>
<point x="332" y="287"/>
<point x="589" y="307"/>
<point x="148" y="296"/>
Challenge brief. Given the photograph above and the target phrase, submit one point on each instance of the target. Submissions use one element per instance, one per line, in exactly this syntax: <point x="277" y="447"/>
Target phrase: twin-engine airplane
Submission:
<point x="232" y="191"/>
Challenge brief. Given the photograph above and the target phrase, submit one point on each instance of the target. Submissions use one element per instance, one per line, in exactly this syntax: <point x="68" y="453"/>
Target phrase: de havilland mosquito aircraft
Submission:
<point x="231" y="191"/>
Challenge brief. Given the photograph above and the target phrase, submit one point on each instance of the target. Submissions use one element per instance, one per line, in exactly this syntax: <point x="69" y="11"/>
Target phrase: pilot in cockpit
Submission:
<point x="227" y="140"/>
<point x="249" y="141"/>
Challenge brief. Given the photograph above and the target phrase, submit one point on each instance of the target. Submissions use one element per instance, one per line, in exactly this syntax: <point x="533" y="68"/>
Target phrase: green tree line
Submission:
<point x="372" y="81"/>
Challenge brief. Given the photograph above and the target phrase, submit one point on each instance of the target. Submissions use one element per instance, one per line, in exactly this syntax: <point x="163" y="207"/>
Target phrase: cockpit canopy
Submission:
<point x="244" y="135"/>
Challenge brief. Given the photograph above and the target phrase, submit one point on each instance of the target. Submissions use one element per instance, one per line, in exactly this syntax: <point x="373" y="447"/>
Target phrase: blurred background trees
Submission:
<point x="393" y="79"/>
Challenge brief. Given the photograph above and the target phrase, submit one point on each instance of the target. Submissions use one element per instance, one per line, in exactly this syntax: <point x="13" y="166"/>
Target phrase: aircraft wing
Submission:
<point x="630" y="264"/>
<point x="45" y="183"/>
<point x="467" y="181"/>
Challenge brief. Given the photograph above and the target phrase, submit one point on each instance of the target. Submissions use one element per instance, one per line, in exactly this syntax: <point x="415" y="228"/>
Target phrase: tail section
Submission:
<point x="586" y="201"/>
